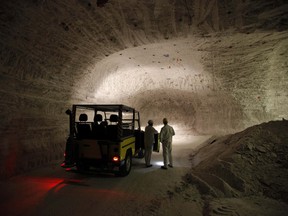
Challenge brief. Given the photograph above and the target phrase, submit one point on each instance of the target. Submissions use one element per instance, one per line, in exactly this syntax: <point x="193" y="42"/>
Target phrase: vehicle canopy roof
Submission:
<point x="106" y="107"/>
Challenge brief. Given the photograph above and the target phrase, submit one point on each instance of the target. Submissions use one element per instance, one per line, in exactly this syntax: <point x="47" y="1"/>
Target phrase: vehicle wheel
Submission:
<point x="126" y="167"/>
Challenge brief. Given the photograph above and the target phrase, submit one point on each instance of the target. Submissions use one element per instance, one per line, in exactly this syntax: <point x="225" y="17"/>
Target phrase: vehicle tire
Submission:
<point x="125" y="169"/>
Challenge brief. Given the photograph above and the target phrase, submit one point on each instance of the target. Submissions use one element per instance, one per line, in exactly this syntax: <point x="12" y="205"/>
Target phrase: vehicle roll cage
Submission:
<point x="119" y="111"/>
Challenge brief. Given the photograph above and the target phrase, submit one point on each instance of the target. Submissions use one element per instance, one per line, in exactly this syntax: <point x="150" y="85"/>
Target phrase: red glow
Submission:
<point x="33" y="191"/>
<point x="45" y="183"/>
<point x="115" y="158"/>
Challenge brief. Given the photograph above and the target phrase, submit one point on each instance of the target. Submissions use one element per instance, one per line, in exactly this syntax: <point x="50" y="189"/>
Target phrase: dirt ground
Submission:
<point x="239" y="174"/>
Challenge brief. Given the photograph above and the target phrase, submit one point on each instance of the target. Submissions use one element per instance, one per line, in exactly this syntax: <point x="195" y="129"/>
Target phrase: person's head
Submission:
<point x="165" y="121"/>
<point x="150" y="122"/>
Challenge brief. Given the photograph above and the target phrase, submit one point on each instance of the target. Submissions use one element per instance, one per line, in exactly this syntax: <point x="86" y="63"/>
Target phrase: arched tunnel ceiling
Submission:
<point x="210" y="66"/>
<point x="174" y="79"/>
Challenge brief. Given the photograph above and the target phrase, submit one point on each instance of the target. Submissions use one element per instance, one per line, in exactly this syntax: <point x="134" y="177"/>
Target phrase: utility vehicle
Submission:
<point x="104" y="137"/>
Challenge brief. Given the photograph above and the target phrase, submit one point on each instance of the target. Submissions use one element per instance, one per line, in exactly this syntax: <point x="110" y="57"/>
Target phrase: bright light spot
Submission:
<point x="115" y="158"/>
<point x="158" y="163"/>
<point x="129" y="72"/>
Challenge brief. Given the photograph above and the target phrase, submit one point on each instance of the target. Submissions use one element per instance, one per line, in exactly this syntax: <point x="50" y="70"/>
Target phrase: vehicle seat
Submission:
<point x="83" y="128"/>
<point x="113" y="128"/>
<point x="98" y="118"/>
<point x="98" y="128"/>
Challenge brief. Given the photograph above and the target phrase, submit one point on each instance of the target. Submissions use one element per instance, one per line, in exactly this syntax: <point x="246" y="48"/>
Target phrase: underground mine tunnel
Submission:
<point x="210" y="67"/>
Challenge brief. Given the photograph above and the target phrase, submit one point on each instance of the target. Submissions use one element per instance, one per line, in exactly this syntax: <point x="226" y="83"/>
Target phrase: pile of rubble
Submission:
<point x="253" y="162"/>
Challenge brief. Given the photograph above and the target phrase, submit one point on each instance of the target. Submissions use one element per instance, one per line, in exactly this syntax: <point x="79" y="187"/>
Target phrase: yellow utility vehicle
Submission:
<point x="103" y="137"/>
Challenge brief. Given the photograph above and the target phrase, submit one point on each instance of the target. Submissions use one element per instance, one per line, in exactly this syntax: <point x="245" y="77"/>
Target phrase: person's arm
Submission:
<point x="173" y="132"/>
<point x="155" y="131"/>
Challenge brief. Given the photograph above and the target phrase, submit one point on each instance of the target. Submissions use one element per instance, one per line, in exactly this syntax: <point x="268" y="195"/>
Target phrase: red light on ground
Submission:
<point x="45" y="183"/>
<point x="115" y="158"/>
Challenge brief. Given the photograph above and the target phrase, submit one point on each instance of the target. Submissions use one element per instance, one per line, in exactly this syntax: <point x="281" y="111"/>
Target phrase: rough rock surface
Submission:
<point x="249" y="165"/>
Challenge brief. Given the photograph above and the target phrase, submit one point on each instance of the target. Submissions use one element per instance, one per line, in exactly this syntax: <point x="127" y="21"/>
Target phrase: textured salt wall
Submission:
<point x="222" y="84"/>
<point x="48" y="48"/>
<point x="253" y="69"/>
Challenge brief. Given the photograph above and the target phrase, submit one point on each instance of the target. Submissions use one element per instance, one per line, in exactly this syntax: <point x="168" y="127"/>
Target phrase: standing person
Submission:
<point x="149" y="141"/>
<point x="166" y="134"/>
